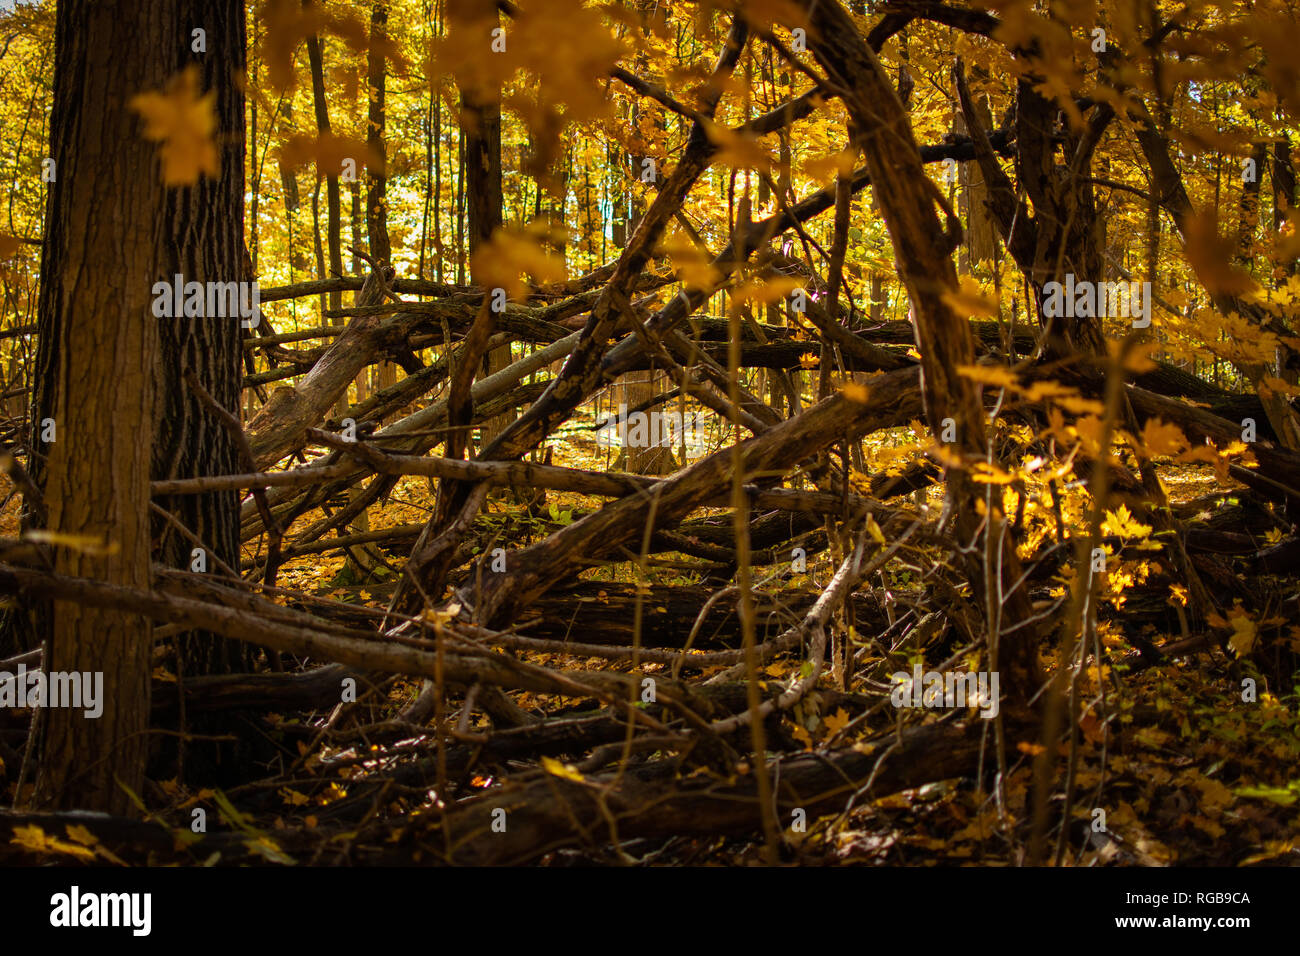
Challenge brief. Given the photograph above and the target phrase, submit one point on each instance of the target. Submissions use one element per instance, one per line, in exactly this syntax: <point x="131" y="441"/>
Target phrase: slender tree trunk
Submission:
<point x="480" y="120"/>
<point x="377" y="179"/>
<point x="333" y="201"/>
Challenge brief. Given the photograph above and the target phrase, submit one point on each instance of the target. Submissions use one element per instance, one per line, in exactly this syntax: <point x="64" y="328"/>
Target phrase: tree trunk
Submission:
<point x="481" y="124"/>
<point x="204" y="242"/>
<point x="333" y="202"/>
<point x="377" y="179"/>
<point x="109" y="369"/>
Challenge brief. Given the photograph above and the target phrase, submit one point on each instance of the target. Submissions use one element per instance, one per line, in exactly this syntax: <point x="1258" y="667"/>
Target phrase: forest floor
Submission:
<point x="1177" y="766"/>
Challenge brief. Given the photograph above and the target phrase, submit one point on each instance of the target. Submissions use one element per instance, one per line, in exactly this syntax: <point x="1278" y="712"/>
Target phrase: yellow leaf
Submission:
<point x="970" y="299"/>
<point x="329" y="151"/>
<point x="1121" y="523"/>
<point x="1138" y="360"/>
<point x="1161" y="438"/>
<point x="837" y="721"/>
<point x="268" y="849"/>
<point x="736" y="150"/>
<point x="184" y="122"/>
<point x="31" y="837"/>
<point x="510" y="254"/>
<point x="79" y="834"/>
<point x="826" y="167"/>
<point x="999" y="376"/>
<point x="855" y="392"/>
<point x="764" y="292"/>
<point x="557" y="769"/>
<point x="800" y="733"/>
<point x="873" y="529"/>
<point x="293" y="797"/>
<point x="987" y="474"/>
<point x="86" y="544"/>
<point x="1244" y="632"/>
<point x="37" y="840"/>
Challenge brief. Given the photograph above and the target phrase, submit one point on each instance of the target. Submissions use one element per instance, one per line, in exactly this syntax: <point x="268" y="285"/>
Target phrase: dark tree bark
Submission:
<point x="99" y="348"/>
<point x="202" y="239"/>
<point x="333" y="201"/>
<point x="377" y="179"/>
<point x="480" y="123"/>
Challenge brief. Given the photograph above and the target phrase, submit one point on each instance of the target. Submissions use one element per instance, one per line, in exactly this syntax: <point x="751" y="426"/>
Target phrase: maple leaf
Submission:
<point x="1161" y="438"/>
<point x="1122" y="524"/>
<point x="1244" y="632"/>
<point x="826" y="167"/>
<point x="837" y="721"/>
<point x="692" y="267"/>
<point x="183" y="121"/>
<point x="765" y="292"/>
<point x="38" y="841"/>
<point x="79" y="834"/>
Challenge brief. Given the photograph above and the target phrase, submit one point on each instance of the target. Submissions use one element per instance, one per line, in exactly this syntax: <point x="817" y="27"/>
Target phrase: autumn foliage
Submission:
<point x="990" y="313"/>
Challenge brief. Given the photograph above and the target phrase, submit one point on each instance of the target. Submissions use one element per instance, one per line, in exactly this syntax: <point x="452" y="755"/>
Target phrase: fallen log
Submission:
<point x="544" y="812"/>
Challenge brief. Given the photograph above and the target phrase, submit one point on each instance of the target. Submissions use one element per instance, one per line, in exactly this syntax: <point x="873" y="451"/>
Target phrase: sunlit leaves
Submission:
<point x="998" y="376"/>
<point x="825" y="168"/>
<point x="856" y="393"/>
<point x="765" y="292"/>
<point x="1121" y="523"/>
<point x="1243" y="628"/>
<point x="36" y="840"/>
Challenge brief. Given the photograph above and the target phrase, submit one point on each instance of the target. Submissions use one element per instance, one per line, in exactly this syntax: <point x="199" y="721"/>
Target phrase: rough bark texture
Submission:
<point x="98" y="345"/>
<point x="202" y="239"/>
